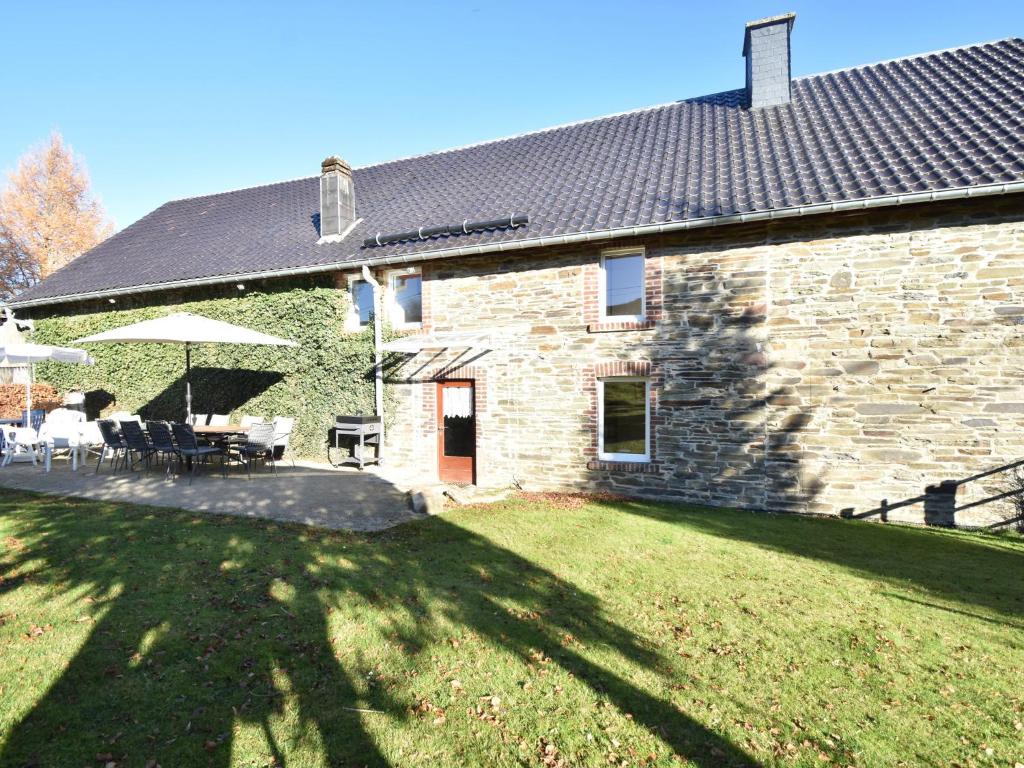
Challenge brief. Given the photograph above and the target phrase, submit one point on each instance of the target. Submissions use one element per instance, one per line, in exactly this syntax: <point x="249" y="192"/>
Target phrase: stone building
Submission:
<point x="802" y="295"/>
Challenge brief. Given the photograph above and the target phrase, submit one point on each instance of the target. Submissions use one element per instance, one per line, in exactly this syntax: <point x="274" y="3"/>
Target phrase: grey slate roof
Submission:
<point x="936" y="122"/>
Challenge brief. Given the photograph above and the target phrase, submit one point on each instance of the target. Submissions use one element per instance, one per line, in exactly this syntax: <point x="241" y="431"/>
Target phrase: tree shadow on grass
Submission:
<point x="184" y="645"/>
<point x="203" y="625"/>
<point x="954" y="566"/>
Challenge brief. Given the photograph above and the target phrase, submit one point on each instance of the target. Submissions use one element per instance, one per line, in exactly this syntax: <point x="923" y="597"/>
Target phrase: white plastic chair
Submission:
<point x="248" y="421"/>
<point x="283" y="426"/>
<point x="120" y="416"/>
<point x="90" y="439"/>
<point x="21" y="440"/>
<point x="61" y="431"/>
<point x="200" y="419"/>
<point x="220" y="420"/>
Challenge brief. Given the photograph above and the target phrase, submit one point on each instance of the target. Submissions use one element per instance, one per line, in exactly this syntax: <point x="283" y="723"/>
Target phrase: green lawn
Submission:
<point x="524" y="633"/>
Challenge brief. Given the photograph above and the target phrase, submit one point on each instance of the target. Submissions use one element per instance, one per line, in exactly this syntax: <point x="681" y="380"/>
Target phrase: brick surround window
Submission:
<point x="622" y="291"/>
<point x="612" y="448"/>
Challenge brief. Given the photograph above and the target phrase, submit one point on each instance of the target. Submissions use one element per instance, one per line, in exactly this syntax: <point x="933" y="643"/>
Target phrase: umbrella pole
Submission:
<point x="28" y="394"/>
<point x="188" y="384"/>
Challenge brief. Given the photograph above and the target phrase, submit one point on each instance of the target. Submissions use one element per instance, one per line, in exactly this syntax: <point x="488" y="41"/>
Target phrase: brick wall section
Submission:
<point x="816" y="365"/>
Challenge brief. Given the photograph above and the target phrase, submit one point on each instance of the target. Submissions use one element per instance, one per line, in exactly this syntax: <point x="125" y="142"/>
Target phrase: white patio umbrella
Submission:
<point x="27" y="354"/>
<point x="188" y="329"/>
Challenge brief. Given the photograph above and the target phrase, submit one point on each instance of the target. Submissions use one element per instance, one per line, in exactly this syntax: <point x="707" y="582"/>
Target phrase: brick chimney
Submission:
<point x="337" y="199"/>
<point x="766" y="49"/>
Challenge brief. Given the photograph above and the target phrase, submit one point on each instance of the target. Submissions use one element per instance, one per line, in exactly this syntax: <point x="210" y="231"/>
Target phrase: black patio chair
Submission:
<point x="259" y="444"/>
<point x="139" y="448"/>
<point x="190" y="450"/>
<point x="162" y="440"/>
<point x="113" y="442"/>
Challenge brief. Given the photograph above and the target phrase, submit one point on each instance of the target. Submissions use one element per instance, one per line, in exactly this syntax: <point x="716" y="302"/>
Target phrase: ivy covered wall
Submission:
<point x="330" y="372"/>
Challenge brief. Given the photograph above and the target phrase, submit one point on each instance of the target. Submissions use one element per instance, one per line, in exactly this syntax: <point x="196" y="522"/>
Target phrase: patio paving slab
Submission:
<point x="319" y="495"/>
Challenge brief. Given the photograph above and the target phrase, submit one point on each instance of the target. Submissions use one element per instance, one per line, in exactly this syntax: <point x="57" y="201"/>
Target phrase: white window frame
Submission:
<point x="603" y="285"/>
<point x="395" y="311"/>
<point x="352" y="321"/>
<point x="633" y="457"/>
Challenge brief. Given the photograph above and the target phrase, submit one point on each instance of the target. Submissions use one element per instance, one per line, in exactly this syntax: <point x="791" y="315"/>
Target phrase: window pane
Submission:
<point x="362" y="297"/>
<point x="407" y="298"/>
<point x="458" y="436"/>
<point x="459" y="421"/>
<point x="624" y="281"/>
<point x="625" y="417"/>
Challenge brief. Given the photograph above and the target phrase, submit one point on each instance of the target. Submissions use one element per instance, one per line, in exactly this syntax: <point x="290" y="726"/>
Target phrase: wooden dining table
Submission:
<point x="210" y="430"/>
<point x="218" y="435"/>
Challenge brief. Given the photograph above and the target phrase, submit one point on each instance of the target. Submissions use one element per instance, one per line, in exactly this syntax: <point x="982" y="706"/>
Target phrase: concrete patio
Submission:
<point x="312" y="494"/>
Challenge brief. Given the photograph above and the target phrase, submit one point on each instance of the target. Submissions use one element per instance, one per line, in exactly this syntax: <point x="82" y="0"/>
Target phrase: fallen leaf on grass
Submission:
<point x="36" y="631"/>
<point x="549" y="755"/>
<point x="487" y="710"/>
<point x="539" y="657"/>
<point x="568" y="501"/>
<point x="423" y="706"/>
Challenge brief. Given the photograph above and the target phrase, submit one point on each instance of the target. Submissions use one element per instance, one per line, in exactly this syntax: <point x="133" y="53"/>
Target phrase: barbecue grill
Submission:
<point x="357" y="434"/>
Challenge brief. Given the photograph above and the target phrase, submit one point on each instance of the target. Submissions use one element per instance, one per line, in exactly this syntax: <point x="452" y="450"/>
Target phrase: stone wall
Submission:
<point x="899" y="351"/>
<point x="818" y="365"/>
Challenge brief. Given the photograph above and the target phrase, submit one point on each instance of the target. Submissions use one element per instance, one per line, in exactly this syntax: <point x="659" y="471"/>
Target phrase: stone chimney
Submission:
<point x="766" y="49"/>
<point x="337" y="199"/>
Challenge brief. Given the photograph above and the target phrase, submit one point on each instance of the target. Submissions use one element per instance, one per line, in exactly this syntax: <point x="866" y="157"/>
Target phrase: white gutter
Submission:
<point x="865" y="203"/>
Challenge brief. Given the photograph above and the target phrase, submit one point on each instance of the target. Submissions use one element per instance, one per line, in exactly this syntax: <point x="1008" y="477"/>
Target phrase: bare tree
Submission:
<point x="1016" y="489"/>
<point x="48" y="216"/>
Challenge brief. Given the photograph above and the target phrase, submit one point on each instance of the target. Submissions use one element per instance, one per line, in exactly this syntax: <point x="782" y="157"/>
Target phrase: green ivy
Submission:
<point x="330" y="372"/>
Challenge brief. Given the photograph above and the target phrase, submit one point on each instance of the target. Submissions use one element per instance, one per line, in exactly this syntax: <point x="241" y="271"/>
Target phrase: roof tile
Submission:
<point x="925" y="123"/>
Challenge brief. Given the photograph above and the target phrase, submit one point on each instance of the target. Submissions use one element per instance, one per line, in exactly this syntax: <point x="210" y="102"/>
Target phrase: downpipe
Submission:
<point x="378" y="354"/>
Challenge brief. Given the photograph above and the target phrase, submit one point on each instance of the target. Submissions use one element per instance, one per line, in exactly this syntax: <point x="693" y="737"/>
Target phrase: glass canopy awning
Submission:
<point x="485" y="341"/>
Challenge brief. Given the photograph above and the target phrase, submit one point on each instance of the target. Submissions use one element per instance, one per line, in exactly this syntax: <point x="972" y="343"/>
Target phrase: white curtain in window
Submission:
<point x="458" y="401"/>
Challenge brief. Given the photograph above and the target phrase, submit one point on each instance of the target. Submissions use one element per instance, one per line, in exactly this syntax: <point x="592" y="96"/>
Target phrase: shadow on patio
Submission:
<point x="306" y="493"/>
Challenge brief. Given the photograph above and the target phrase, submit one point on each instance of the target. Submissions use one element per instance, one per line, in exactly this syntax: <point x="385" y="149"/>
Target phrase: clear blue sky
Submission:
<point x="181" y="99"/>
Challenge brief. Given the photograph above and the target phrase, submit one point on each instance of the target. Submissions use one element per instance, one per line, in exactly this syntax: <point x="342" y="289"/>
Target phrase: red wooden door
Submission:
<point x="456" y="432"/>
